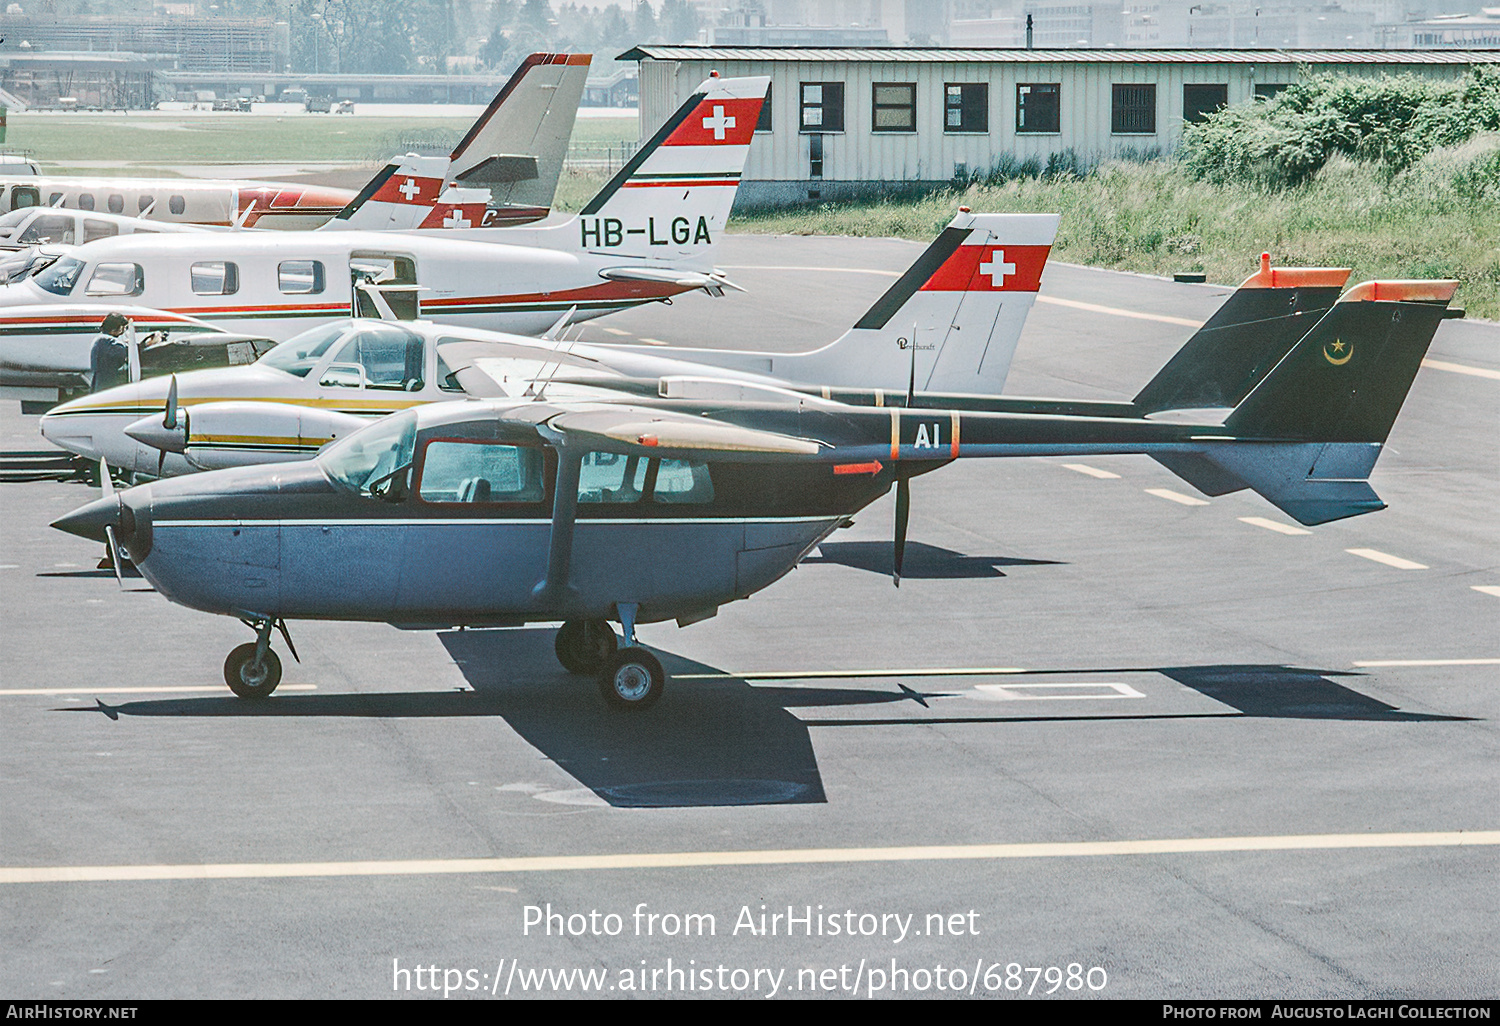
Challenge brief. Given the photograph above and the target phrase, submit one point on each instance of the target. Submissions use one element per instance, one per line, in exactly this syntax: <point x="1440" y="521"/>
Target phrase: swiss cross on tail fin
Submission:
<point x="673" y="198"/>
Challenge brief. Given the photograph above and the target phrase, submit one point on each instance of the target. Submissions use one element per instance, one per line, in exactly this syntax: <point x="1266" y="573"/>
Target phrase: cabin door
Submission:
<point x="384" y="286"/>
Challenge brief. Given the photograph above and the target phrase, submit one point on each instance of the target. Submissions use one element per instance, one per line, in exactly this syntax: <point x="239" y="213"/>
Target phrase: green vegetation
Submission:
<point x="157" y="138"/>
<point x="1395" y="177"/>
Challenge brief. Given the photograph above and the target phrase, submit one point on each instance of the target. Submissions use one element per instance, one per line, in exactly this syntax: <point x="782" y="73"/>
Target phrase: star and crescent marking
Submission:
<point x="1338" y="352"/>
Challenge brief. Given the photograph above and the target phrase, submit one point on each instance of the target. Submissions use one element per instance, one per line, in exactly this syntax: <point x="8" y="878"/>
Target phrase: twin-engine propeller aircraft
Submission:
<point x="647" y="236"/>
<point x="514" y="151"/>
<point x="329" y="382"/>
<point x="586" y="498"/>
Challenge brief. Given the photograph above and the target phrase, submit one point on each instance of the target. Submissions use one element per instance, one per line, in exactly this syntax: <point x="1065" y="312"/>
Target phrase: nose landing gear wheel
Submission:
<point x="584" y="646"/>
<point x="632" y="679"/>
<point x="245" y="678"/>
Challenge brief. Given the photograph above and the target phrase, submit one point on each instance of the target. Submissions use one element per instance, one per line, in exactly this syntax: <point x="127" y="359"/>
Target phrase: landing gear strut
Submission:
<point x="632" y="678"/>
<point x="253" y="670"/>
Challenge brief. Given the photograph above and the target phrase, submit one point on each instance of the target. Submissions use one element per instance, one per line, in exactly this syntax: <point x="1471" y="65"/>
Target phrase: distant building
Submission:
<point x="197" y="44"/>
<point x="610" y="87"/>
<point x="1454" y="30"/>
<point x="853" y="123"/>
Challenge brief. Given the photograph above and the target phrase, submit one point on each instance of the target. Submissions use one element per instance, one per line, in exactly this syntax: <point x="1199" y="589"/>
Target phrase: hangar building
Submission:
<point x="854" y="122"/>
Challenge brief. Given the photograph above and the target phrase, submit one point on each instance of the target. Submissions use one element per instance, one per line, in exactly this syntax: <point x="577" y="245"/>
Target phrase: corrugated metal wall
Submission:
<point x="930" y="154"/>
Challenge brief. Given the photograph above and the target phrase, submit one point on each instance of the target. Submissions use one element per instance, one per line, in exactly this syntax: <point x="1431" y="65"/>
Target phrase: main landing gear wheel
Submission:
<point x="584" y="646"/>
<point x="632" y="679"/>
<point x="248" y="680"/>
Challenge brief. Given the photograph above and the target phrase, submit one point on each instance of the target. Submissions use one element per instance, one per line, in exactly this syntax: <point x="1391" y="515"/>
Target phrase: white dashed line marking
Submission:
<point x="1458" y="368"/>
<point x="1272" y="525"/>
<point x="1387" y="559"/>
<point x="1037" y="692"/>
<point x="1429" y="662"/>
<point x="14" y="692"/>
<point x="1084" y="468"/>
<point x="654" y="342"/>
<point x="617" y="331"/>
<point x="1488" y="589"/>
<point x="1167" y="493"/>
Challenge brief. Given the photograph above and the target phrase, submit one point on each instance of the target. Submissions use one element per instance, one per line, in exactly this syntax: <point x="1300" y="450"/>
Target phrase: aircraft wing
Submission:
<point x="640" y="430"/>
<point x="714" y="282"/>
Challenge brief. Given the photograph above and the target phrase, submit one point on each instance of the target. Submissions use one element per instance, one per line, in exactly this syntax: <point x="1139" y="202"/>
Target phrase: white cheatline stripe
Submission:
<point x="1084" y="468"/>
<point x="1167" y="493"/>
<point x="1115" y="311"/>
<point x="937" y="671"/>
<point x="1387" y="559"/>
<point x="1458" y="368"/>
<point x="1273" y="525"/>
<point x="1488" y="589"/>
<point x="782" y="857"/>
<point x="1429" y="662"/>
<point x="174" y="689"/>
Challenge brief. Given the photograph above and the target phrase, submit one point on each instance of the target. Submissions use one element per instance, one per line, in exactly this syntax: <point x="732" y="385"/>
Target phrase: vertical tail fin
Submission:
<point x="400" y="196"/>
<point x="1307" y="437"/>
<point x="1347" y="378"/>
<point x="951" y="322"/>
<point x="515" y="151"/>
<point x="673" y="198"/>
<point x="1244" y="339"/>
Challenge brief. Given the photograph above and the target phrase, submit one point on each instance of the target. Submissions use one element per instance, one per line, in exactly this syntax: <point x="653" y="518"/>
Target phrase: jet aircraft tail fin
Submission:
<point x="1246" y="337"/>
<point x="672" y="200"/>
<point x="1307" y="437"/>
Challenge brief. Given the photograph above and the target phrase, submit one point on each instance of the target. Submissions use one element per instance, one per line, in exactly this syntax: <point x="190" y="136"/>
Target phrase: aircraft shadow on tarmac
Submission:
<point x="922" y="562"/>
<point x="716" y="740"/>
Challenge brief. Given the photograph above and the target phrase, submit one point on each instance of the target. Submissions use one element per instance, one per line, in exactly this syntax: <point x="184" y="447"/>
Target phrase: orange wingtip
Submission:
<point x="1437" y="290"/>
<point x="1297" y="278"/>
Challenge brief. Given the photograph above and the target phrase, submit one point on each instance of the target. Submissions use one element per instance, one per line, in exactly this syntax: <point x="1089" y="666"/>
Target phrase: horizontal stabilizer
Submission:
<point x="499" y="169"/>
<point x="1311" y="482"/>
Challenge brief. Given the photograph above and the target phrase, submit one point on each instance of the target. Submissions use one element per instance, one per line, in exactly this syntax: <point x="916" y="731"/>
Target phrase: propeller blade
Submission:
<point x="106" y="483"/>
<point x="903" y="513"/>
<point x="161" y="461"/>
<point x="911" y="382"/>
<point x="114" y="554"/>
<point x="169" y="417"/>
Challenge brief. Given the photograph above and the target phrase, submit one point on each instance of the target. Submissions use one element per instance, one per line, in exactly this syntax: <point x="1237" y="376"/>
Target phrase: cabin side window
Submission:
<point x="25" y="196"/>
<point x="60" y="277"/>
<point x="117" y="280"/>
<point x="176" y="204"/>
<point x="116" y="203"/>
<point x="85" y="201"/>
<point x="609" y="477"/>
<point x="45" y="228"/>
<point x="216" y="278"/>
<point x="96" y="229"/>
<point x="381" y="356"/>
<point x="300" y="277"/>
<point x="479" y="472"/>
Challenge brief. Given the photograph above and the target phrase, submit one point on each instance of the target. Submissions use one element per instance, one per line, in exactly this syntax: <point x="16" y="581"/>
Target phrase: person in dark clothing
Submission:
<point x="109" y="359"/>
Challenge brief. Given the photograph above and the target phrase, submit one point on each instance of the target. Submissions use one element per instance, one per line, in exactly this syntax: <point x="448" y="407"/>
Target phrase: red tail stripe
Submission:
<point x="999" y="268"/>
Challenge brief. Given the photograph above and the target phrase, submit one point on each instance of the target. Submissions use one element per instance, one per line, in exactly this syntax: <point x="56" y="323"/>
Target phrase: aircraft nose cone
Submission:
<point x="91" y="520"/>
<point x="150" y="431"/>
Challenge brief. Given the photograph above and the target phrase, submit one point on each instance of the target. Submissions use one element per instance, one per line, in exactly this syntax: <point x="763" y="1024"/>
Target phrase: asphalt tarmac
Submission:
<point x="1139" y="746"/>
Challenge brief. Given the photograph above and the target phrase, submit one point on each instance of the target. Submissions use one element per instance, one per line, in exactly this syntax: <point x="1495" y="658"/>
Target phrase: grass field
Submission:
<point x="151" y="139"/>
<point x="1435" y="221"/>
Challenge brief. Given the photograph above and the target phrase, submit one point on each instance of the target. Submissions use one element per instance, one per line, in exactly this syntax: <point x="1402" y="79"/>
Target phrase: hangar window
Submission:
<point x="45" y="228"/>
<point x="1039" y="107"/>
<point x="216" y="278"/>
<point x="116" y="203"/>
<point x="300" y="277"/>
<point x="966" y="107"/>
<point x="1270" y="90"/>
<point x="176" y="204"/>
<point x="893" y="107"/>
<point x="117" y="280"/>
<point x="1133" y="110"/>
<point x="95" y="229"/>
<point x="85" y="201"/>
<point x="465" y="471"/>
<point x="1199" y="101"/>
<point x="822" y="106"/>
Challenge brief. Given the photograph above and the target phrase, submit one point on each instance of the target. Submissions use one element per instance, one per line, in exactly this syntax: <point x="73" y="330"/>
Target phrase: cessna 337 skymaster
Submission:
<point x="647" y="236"/>
<point x="586" y="503"/>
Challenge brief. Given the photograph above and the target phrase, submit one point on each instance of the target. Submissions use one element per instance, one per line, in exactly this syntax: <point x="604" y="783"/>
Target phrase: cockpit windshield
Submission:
<point x="59" y="278"/>
<point x="301" y="353"/>
<point x="374" y="460"/>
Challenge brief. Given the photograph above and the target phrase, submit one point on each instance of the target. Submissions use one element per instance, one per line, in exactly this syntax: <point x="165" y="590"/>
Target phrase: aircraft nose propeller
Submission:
<point x="151" y="431"/>
<point x="91" y="520"/>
